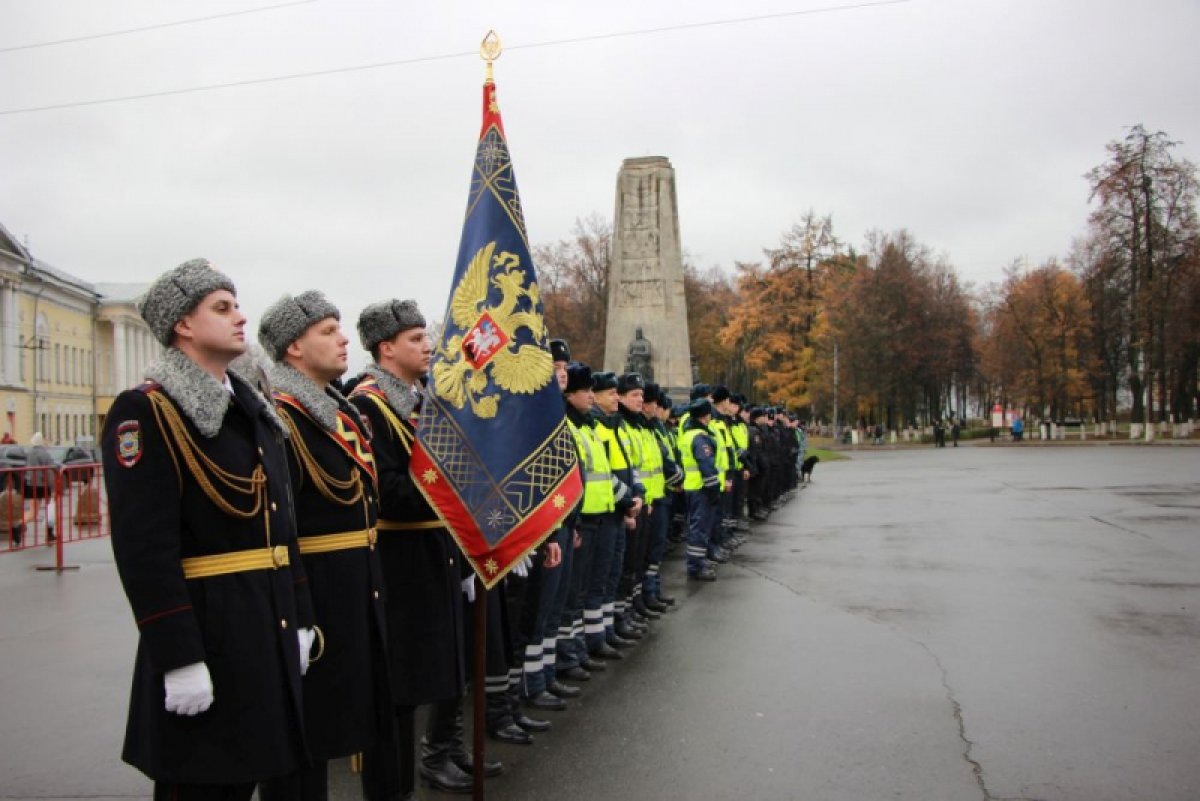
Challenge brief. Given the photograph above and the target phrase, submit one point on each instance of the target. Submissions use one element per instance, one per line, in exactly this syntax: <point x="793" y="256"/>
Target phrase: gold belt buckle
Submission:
<point x="279" y="556"/>
<point x="372" y="536"/>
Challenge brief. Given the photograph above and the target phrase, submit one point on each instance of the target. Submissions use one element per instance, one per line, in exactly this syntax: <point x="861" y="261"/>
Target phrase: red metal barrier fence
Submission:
<point x="41" y="506"/>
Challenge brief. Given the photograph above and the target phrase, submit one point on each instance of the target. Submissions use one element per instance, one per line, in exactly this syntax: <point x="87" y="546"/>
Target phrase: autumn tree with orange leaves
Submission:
<point x="776" y="310"/>
<point x="1038" y="351"/>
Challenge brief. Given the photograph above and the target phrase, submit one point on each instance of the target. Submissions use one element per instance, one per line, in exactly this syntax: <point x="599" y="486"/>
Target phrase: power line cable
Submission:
<point x="193" y="21"/>
<point x="447" y="56"/>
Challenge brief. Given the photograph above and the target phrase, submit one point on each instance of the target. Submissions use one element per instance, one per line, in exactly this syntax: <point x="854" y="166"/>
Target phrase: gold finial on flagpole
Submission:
<point x="489" y="51"/>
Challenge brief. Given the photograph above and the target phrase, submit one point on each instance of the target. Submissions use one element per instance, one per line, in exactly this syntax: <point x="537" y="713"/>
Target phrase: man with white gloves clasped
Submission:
<point x="205" y="544"/>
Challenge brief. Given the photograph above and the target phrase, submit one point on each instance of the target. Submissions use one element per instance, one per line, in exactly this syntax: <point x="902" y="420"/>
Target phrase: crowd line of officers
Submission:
<point x="296" y="597"/>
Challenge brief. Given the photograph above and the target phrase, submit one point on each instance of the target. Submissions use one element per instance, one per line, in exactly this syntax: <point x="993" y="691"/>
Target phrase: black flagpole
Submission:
<point x="480" y="702"/>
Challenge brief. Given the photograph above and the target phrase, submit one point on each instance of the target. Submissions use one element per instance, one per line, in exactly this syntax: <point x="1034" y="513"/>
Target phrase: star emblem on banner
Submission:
<point x="430" y="476"/>
<point x="491" y="567"/>
<point x="559" y="501"/>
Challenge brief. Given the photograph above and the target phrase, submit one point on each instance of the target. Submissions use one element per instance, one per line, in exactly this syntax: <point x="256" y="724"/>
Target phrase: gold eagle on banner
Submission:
<point x="488" y="351"/>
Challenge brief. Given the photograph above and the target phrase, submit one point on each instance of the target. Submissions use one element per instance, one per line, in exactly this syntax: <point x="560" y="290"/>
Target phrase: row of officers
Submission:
<point x="297" y="598"/>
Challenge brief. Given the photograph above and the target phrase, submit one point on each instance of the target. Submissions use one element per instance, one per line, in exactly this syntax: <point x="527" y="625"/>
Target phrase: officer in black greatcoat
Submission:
<point x="423" y="567"/>
<point x="205" y="545"/>
<point x="332" y="468"/>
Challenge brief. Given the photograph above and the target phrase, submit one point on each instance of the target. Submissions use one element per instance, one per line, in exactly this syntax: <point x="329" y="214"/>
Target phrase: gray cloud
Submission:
<point x="970" y="123"/>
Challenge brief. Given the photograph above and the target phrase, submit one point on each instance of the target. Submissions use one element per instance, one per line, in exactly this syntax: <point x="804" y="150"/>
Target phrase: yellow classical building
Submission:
<point x="124" y="344"/>
<point x="67" y="347"/>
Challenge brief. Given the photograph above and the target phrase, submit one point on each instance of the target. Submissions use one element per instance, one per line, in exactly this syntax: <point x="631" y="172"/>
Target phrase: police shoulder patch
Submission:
<point x="129" y="443"/>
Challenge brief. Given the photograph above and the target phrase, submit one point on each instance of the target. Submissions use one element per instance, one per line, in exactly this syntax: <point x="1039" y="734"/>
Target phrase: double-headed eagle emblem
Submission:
<point x="488" y="354"/>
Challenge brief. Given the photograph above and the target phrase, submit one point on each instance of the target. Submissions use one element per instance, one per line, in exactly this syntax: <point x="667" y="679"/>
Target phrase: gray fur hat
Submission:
<point x="288" y="318"/>
<point x="385" y="319"/>
<point x="176" y="293"/>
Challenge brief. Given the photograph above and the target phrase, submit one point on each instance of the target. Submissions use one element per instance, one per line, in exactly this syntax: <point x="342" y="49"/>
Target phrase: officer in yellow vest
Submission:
<point x="535" y="614"/>
<point x="740" y="429"/>
<point x="609" y="556"/>
<point x="720" y="546"/>
<point x="601" y="492"/>
<point x="701" y="485"/>
<point x="655" y="408"/>
<point x="631" y="613"/>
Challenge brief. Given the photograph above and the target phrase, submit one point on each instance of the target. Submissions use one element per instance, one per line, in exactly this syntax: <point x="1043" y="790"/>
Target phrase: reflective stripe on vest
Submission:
<point x="652" y="466"/>
<point x="741" y="440"/>
<point x="632" y="441"/>
<point x="608" y="438"/>
<point x="597" y="478"/>
<point x="722" y="442"/>
<point x="692" y="480"/>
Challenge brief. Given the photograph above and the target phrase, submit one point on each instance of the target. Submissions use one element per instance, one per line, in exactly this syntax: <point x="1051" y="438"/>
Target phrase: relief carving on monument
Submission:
<point x="640" y="243"/>
<point x="638" y="269"/>
<point x="638" y="294"/>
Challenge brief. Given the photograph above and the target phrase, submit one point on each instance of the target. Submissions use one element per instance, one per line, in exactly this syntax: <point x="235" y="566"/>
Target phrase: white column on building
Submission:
<point x="11" y="316"/>
<point x="8" y="333"/>
<point x="141" y="362"/>
<point x="119" y="357"/>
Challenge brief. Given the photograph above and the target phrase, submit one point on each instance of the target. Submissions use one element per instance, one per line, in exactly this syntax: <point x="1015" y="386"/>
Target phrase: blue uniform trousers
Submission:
<point x="620" y="540"/>
<point x="571" y="645"/>
<point x="541" y="630"/>
<point x="717" y="534"/>
<point x="604" y="557"/>
<point x="701" y="512"/>
<point x="656" y="545"/>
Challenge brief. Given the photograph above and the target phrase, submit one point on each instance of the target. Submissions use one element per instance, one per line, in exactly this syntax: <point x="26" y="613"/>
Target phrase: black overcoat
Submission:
<point x="241" y="625"/>
<point x="342" y="686"/>
<point x="423" y="570"/>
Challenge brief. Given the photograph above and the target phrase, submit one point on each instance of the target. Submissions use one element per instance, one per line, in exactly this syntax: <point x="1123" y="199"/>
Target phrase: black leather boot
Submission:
<point x="523" y="721"/>
<point x="640" y="606"/>
<point x="437" y="768"/>
<point x="461" y="755"/>
<point x="500" y="722"/>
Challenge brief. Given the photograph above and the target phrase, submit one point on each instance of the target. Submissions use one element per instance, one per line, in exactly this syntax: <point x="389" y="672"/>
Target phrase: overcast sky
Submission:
<point x="968" y="122"/>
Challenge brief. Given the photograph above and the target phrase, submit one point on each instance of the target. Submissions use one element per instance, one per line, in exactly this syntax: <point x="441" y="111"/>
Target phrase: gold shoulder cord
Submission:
<point x="326" y="484"/>
<point x="406" y="437"/>
<point x="200" y="466"/>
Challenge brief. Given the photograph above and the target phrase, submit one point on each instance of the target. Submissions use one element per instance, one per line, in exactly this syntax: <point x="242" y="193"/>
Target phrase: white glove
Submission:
<point x="522" y="567"/>
<point x="189" y="689"/>
<point x="468" y="585"/>
<point x="306" y="637"/>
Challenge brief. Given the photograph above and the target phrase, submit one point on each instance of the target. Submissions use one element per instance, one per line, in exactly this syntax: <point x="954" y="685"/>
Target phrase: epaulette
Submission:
<point x="148" y="386"/>
<point x="367" y="385"/>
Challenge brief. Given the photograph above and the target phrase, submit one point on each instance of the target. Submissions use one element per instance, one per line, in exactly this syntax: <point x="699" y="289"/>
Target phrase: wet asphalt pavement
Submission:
<point x="974" y="623"/>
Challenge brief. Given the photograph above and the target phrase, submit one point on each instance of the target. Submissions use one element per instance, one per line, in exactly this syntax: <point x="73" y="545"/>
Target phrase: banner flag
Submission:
<point x="493" y="454"/>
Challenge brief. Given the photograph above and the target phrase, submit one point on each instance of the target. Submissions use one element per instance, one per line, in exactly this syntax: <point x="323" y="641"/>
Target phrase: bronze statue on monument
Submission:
<point x="638" y="357"/>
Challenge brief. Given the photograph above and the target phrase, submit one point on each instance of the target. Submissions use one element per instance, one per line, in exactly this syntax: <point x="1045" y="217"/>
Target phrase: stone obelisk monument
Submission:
<point x="647" y="313"/>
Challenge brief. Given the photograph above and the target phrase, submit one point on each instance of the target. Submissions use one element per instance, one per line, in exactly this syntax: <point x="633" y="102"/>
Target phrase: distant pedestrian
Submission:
<point x="39" y="483"/>
<point x="955" y="427"/>
<point x="12" y="512"/>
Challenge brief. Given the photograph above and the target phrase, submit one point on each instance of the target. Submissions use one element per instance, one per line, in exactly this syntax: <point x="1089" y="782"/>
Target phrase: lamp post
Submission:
<point x="835" y="392"/>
